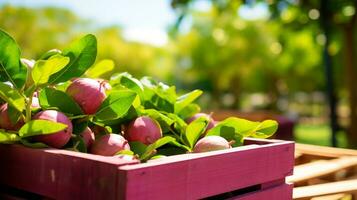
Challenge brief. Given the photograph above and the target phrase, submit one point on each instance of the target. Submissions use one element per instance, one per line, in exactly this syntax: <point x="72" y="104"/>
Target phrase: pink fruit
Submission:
<point x="109" y="145"/>
<point x="143" y="129"/>
<point x="5" y="122"/>
<point x="88" y="136"/>
<point x="88" y="93"/>
<point x="211" y="123"/>
<point x="59" y="139"/>
<point x="211" y="143"/>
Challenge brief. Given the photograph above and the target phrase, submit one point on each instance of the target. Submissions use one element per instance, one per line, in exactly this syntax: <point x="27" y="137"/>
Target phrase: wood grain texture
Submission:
<point x="280" y="192"/>
<point x="59" y="174"/>
<point x="62" y="174"/>
<point x="321" y="168"/>
<point x="207" y="174"/>
<point x="325" y="189"/>
<point x="328" y="152"/>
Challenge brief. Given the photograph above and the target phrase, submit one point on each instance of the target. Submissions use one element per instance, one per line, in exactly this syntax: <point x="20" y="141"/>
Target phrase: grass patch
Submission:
<point x="317" y="135"/>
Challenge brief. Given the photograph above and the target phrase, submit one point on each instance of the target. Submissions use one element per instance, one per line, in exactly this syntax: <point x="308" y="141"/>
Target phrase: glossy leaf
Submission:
<point x="138" y="147"/>
<point x="7" y="138"/>
<point x="150" y="150"/>
<point x="11" y="68"/>
<point x="43" y="69"/>
<point x="101" y="68"/>
<point x="195" y="129"/>
<point x="40" y="127"/>
<point x="115" y="105"/>
<point x="265" y="129"/>
<point x="233" y="125"/>
<point x="52" y="98"/>
<point x="186" y="99"/>
<point x="36" y="145"/>
<point x="82" y="54"/>
<point x="12" y="96"/>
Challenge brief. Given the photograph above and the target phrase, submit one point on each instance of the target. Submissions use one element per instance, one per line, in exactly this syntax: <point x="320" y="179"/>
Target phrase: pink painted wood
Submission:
<point x="206" y="174"/>
<point x="59" y="174"/>
<point x="63" y="174"/>
<point x="280" y="192"/>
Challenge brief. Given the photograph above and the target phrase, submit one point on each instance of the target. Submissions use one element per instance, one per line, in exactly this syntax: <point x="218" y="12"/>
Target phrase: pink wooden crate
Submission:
<point x="258" y="168"/>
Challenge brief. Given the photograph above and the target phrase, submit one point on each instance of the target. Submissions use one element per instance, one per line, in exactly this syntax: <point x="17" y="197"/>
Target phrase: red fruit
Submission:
<point x="143" y="129"/>
<point x="88" y="93"/>
<point x="59" y="139"/>
<point x="211" y="123"/>
<point x="109" y="145"/>
<point x="88" y="136"/>
<point x="211" y="143"/>
<point x="5" y="122"/>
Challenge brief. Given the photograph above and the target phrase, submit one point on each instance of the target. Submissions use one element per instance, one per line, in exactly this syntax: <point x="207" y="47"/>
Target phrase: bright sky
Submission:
<point x="142" y="20"/>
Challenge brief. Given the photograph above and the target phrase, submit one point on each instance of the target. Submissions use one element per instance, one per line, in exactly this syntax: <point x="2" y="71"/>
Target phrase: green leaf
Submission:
<point x="157" y="157"/>
<point x="43" y="69"/>
<point x="195" y="129"/>
<point x="138" y="147"/>
<point x="115" y="105"/>
<point x="101" y="68"/>
<point x="40" y="127"/>
<point x="14" y="115"/>
<point x="78" y="144"/>
<point x="235" y="129"/>
<point x="82" y="53"/>
<point x="11" y="68"/>
<point x="12" y="96"/>
<point x="164" y="121"/>
<point x="158" y="95"/>
<point x="50" y="53"/>
<point x="52" y="98"/>
<point x="265" y="129"/>
<point x="36" y="145"/>
<point x="189" y="111"/>
<point x="186" y="99"/>
<point x="150" y="150"/>
<point x="79" y="125"/>
<point x="125" y="152"/>
<point x="131" y="83"/>
<point x="8" y="138"/>
<point x="232" y="126"/>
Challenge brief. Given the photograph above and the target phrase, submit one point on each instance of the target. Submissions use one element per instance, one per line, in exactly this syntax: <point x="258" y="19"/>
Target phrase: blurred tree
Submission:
<point x="236" y="56"/>
<point x="330" y="23"/>
<point x="38" y="30"/>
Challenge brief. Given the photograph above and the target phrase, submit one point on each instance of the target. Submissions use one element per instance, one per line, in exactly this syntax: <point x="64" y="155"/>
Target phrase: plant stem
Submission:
<point x="28" y="107"/>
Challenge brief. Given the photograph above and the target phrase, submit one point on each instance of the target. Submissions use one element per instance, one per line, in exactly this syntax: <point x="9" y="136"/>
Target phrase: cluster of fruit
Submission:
<point x="54" y="102"/>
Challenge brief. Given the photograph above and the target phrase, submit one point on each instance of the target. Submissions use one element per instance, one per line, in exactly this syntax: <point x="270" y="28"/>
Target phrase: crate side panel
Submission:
<point x="281" y="192"/>
<point x="211" y="175"/>
<point x="59" y="174"/>
<point x="85" y="179"/>
<point x="28" y="170"/>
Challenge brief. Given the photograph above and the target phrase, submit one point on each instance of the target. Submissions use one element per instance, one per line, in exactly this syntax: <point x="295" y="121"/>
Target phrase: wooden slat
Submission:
<point x="281" y="192"/>
<point x="207" y="174"/>
<point x="297" y="154"/>
<point x="59" y="174"/>
<point x="321" y="168"/>
<point x="329" y="152"/>
<point x="325" y="189"/>
<point x="331" y="197"/>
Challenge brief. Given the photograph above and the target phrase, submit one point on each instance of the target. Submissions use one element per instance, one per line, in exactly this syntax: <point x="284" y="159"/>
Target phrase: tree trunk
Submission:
<point x="351" y="75"/>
